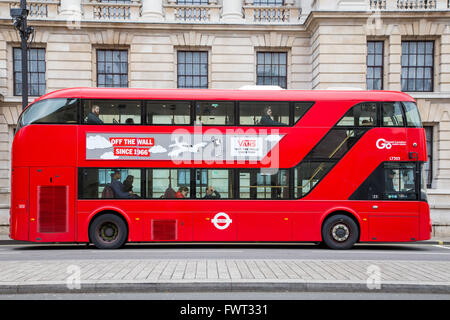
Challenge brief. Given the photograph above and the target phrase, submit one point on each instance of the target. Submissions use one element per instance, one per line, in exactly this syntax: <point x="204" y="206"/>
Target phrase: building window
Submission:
<point x="36" y="71"/>
<point x="428" y="167"/>
<point x="375" y="56"/>
<point x="191" y="2"/>
<point x="417" y="66"/>
<point x="271" y="69"/>
<point x="268" y="2"/>
<point x="193" y="69"/>
<point x="112" y="68"/>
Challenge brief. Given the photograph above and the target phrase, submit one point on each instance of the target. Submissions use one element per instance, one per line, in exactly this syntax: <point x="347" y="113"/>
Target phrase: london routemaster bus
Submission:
<point x="115" y="166"/>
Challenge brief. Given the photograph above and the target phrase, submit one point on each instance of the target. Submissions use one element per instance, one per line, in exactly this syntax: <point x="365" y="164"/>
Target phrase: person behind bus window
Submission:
<point x="182" y="193"/>
<point x="390" y="182"/>
<point x="267" y="119"/>
<point x="118" y="187"/>
<point x="211" y="193"/>
<point x="93" y="116"/>
<point x="128" y="184"/>
<point x="129" y="121"/>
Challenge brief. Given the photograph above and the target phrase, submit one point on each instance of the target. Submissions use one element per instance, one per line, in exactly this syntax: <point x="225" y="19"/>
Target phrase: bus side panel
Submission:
<point x="19" y="204"/>
<point x="424" y="221"/>
<point x="45" y="146"/>
<point x="394" y="221"/>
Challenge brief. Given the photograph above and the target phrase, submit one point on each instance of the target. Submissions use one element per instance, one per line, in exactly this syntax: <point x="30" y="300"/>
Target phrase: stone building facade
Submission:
<point x="317" y="44"/>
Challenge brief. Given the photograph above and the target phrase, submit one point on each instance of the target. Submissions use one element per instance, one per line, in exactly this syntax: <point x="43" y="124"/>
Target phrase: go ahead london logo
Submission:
<point x="384" y="144"/>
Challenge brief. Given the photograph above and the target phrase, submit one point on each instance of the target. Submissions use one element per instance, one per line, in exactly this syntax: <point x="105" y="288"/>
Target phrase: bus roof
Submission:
<point x="224" y="95"/>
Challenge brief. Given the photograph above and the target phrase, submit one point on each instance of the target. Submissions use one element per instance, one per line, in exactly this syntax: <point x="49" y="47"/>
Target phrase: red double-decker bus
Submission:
<point x="111" y="166"/>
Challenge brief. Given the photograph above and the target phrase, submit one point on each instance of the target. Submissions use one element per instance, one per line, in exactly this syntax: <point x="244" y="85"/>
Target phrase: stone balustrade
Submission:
<point x="114" y="11"/>
<point x="214" y="11"/>
<point x="283" y="14"/>
<point x="407" y="5"/>
<point x="38" y="9"/>
<point x="192" y="13"/>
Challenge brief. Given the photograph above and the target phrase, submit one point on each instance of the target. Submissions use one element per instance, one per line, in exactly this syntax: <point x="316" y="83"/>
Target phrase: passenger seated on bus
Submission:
<point x="266" y="119"/>
<point x="93" y="117"/>
<point x="366" y="123"/>
<point x="182" y="193"/>
<point x="107" y="192"/>
<point x="211" y="193"/>
<point x="129" y="121"/>
<point x="128" y="184"/>
<point x="118" y="187"/>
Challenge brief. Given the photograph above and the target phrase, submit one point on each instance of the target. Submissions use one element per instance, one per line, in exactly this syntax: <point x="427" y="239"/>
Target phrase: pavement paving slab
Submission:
<point x="180" y="275"/>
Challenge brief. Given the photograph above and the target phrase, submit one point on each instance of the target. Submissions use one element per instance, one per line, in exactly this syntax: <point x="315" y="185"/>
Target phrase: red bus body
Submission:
<point x="47" y="154"/>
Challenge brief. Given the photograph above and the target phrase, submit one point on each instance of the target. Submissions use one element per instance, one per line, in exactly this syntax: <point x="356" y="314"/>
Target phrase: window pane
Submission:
<point x="214" y="184"/>
<point x="112" y="68"/>
<point x="308" y="174"/>
<point x="300" y="109"/>
<point x="392" y="114"/>
<point x="390" y="181"/>
<point x="335" y="144"/>
<point x="112" y="112"/>
<point x="168" y="183"/>
<point x="192" y="69"/>
<point x="215" y="113"/>
<point x="50" y="111"/>
<point x="109" y="183"/>
<point x="271" y="68"/>
<point x="170" y="112"/>
<point x="361" y="115"/>
<point x="36" y="71"/>
<point x="412" y="115"/>
<point x="264" y="113"/>
<point x="415" y="56"/>
<point x="255" y="184"/>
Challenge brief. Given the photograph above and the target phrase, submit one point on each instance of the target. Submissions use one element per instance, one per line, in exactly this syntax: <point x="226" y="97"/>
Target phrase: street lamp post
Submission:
<point x="20" y="23"/>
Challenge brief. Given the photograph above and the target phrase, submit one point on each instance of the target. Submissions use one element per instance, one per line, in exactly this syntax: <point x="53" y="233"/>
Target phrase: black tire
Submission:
<point x="340" y="232"/>
<point x="108" y="231"/>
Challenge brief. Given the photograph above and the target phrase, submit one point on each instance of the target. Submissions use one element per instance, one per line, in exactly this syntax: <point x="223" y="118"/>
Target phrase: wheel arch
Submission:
<point x="342" y="211"/>
<point x="110" y="210"/>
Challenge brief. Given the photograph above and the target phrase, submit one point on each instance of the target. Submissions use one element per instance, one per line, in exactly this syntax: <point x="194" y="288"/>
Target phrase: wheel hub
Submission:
<point x="340" y="232"/>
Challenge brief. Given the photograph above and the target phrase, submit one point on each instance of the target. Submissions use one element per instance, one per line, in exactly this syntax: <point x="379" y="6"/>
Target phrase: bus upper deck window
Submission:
<point x="412" y="115"/>
<point x="50" y="111"/>
<point x="265" y="114"/>
<point x="112" y="112"/>
<point x="169" y="113"/>
<point x="392" y="114"/>
<point x="215" y="113"/>
<point x="360" y="115"/>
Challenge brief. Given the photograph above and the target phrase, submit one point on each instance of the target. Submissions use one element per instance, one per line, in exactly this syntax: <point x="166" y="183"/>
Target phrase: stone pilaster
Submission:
<point x="395" y="59"/>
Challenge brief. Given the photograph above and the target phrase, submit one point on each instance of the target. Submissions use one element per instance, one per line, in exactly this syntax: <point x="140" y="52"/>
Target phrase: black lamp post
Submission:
<point x="20" y="23"/>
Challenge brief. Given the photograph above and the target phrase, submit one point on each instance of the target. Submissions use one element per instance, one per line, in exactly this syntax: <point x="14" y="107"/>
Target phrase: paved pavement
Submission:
<point x="168" y="275"/>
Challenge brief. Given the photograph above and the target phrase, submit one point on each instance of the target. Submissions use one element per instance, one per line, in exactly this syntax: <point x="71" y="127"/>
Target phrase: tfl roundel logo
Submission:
<point x="221" y="221"/>
<point x="383" y="144"/>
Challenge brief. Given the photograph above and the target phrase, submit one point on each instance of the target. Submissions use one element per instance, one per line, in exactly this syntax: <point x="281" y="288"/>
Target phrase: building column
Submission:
<point x="152" y="10"/>
<point x="232" y="11"/>
<point x="70" y="8"/>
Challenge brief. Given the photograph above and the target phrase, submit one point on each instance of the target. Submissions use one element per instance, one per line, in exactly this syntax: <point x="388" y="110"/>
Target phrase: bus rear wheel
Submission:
<point x="340" y="232"/>
<point x="108" y="231"/>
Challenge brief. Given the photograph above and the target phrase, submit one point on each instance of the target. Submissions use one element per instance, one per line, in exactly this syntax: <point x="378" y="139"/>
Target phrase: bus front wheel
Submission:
<point x="108" y="231"/>
<point x="340" y="232"/>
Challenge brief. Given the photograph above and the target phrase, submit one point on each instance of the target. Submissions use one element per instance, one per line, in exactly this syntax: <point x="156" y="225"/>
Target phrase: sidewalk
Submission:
<point x="166" y="275"/>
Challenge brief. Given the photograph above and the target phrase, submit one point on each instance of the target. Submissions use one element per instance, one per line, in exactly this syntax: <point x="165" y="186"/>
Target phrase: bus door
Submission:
<point x="396" y="217"/>
<point x="52" y="204"/>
